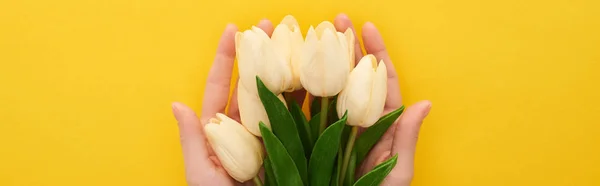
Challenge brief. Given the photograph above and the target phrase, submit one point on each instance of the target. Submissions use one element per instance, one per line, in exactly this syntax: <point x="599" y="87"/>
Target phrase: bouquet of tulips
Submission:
<point x="295" y="149"/>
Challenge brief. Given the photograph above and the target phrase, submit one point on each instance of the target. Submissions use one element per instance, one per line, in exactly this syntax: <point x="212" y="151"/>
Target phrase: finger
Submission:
<point x="405" y="141"/>
<point x="219" y="76"/>
<point x="374" y="45"/>
<point x="234" y="112"/>
<point x="266" y="26"/>
<point x="342" y="23"/>
<point x="193" y="142"/>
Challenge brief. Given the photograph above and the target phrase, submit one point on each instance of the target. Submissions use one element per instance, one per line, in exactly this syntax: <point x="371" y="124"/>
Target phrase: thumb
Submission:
<point x="405" y="142"/>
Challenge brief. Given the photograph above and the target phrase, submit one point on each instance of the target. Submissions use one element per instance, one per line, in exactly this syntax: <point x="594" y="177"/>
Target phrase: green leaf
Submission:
<point x="378" y="174"/>
<point x="369" y="137"/>
<point x="284" y="168"/>
<point x="349" y="178"/>
<point x="284" y="127"/>
<point x="345" y="135"/>
<point x="315" y="106"/>
<point x="302" y="126"/>
<point x="314" y="126"/>
<point x="269" y="176"/>
<point x="322" y="159"/>
<point x="338" y="167"/>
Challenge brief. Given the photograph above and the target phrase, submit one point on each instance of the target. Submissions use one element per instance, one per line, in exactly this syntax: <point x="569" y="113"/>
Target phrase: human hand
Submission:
<point x="202" y="167"/>
<point x="401" y="137"/>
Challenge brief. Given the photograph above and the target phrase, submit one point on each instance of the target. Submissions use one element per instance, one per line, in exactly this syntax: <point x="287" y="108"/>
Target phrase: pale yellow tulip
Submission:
<point x="240" y="152"/>
<point x="365" y="93"/>
<point x="326" y="60"/>
<point x="258" y="56"/>
<point x="288" y="42"/>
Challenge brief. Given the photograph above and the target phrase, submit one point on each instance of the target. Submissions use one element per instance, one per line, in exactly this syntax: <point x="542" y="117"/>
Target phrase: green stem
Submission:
<point x="351" y="170"/>
<point x="324" y="113"/>
<point x="257" y="181"/>
<point x="348" y="151"/>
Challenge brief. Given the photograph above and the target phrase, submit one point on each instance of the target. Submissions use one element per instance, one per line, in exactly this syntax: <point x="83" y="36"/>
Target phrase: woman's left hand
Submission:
<point x="401" y="137"/>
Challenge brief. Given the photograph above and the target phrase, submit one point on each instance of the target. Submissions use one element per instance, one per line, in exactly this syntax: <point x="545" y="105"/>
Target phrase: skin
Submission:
<point x="202" y="167"/>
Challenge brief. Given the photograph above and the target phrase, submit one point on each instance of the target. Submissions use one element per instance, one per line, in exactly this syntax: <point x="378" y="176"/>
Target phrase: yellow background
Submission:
<point x="86" y="86"/>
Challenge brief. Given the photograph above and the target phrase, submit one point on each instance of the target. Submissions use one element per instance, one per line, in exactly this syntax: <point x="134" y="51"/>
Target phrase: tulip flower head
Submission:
<point x="258" y="55"/>
<point x="288" y="41"/>
<point x="240" y="152"/>
<point x="326" y="60"/>
<point x="365" y="93"/>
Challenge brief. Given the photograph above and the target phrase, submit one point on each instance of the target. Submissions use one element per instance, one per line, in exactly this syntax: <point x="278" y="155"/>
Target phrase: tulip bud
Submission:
<point x="258" y="56"/>
<point x="326" y="61"/>
<point x="252" y="110"/>
<point x="240" y="153"/>
<point x="288" y="41"/>
<point x="365" y="93"/>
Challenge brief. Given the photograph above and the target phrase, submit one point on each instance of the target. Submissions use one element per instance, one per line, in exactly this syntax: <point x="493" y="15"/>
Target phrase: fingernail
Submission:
<point x="427" y="106"/>
<point x="176" y="109"/>
<point x="343" y="16"/>
<point x="230" y="26"/>
<point x="173" y="106"/>
<point x="264" y="20"/>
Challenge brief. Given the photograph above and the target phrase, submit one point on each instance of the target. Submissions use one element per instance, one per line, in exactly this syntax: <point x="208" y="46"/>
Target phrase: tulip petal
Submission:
<point x="310" y="67"/>
<point x="289" y="21"/>
<point x="282" y="47"/>
<point x="238" y="40"/>
<point x="345" y="46"/>
<point x="274" y="70"/>
<point x="251" y="110"/>
<point x="282" y="41"/>
<point x="322" y="27"/>
<point x="359" y="92"/>
<point x="260" y="33"/>
<point x="334" y="63"/>
<point x="378" y="94"/>
<point x="350" y="41"/>
<point x="296" y="48"/>
<point x="247" y="56"/>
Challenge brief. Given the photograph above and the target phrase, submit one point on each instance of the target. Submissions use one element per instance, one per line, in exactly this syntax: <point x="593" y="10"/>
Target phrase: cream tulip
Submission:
<point x="288" y="41"/>
<point x="326" y="60"/>
<point x="365" y="93"/>
<point x="258" y="55"/>
<point x="252" y="110"/>
<point x="240" y="152"/>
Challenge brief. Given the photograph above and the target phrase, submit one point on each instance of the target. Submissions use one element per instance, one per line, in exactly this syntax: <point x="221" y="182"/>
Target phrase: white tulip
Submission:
<point x="326" y="60"/>
<point x="288" y="42"/>
<point x="252" y="110"/>
<point x="365" y="93"/>
<point x="240" y="153"/>
<point x="258" y="56"/>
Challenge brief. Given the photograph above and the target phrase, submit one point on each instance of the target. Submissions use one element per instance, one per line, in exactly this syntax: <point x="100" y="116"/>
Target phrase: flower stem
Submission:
<point x="348" y="152"/>
<point x="324" y="113"/>
<point x="257" y="181"/>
